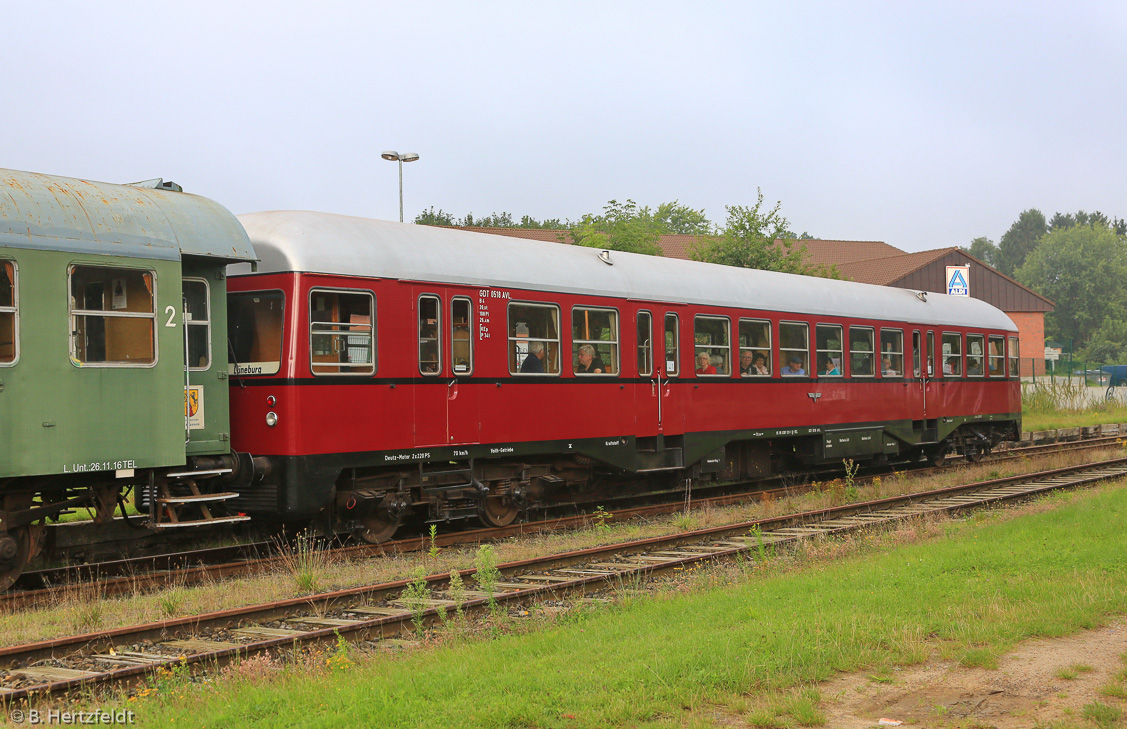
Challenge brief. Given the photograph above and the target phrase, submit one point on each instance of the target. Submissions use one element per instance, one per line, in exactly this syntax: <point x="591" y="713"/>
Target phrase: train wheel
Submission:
<point x="16" y="549"/>
<point x="975" y="453"/>
<point x="377" y="527"/>
<point x="495" y="512"/>
<point x="938" y="456"/>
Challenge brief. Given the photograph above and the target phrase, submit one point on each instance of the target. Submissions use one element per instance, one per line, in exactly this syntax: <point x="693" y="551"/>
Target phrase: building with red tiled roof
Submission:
<point x="877" y="262"/>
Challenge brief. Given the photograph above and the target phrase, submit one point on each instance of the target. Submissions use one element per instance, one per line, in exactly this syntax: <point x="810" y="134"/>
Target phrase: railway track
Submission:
<point x="381" y="614"/>
<point x="136" y="574"/>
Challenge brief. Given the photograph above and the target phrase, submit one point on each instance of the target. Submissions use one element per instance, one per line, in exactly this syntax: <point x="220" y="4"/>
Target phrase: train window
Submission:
<point x="794" y="348"/>
<point x="975" y="354"/>
<point x="254" y="330"/>
<point x="594" y="341"/>
<point x="931" y="354"/>
<point x="340" y="332"/>
<point x="113" y="320"/>
<point x="534" y="339"/>
<point x="828" y="343"/>
<point x="861" y="352"/>
<point x="997" y="361"/>
<point x="197" y="320"/>
<point x="916" y="347"/>
<point x="1015" y="359"/>
<point x="9" y="314"/>
<point x="712" y="350"/>
<point x="891" y="352"/>
<point x="672" y="337"/>
<point x="952" y="354"/>
<point x="430" y="324"/>
<point x="461" y="335"/>
<point x="645" y="344"/>
<point x="755" y="348"/>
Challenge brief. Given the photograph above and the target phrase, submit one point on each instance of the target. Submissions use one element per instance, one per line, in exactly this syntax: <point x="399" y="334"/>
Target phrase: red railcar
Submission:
<point x="381" y="368"/>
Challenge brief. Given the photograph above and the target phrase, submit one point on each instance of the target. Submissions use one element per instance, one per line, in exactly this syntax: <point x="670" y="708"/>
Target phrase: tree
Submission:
<point x="673" y="217"/>
<point x="621" y="227"/>
<point x="434" y="217"/>
<point x="984" y="250"/>
<point x="754" y="238"/>
<point x="1081" y="269"/>
<point x="1020" y="240"/>
<point x="1108" y="343"/>
<point x="1060" y="221"/>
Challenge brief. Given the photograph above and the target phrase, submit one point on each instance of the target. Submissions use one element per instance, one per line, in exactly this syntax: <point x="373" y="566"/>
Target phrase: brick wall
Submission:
<point x="1031" y="339"/>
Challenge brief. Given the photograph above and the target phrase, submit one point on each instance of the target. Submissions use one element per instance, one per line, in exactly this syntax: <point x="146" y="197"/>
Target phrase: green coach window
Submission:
<point x="112" y="316"/>
<point x="197" y="318"/>
<point x="9" y="308"/>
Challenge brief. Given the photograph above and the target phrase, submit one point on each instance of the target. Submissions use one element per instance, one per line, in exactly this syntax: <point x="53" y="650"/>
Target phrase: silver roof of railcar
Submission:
<point x="337" y="244"/>
<point x="46" y="212"/>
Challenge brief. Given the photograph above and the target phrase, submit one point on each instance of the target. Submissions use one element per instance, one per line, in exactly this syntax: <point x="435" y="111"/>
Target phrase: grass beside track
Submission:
<point x="744" y="643"/>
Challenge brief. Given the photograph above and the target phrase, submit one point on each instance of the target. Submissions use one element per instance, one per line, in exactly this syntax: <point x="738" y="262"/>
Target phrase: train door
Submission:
<point x="646" y="402"/>
<point x="206" y="421"/>
<point x="671" y="407"/>
<point x="931" y="387"/>
<point x="917" y="390"/>
<point x="429" y="384"/>
<point x="463" y="416"/>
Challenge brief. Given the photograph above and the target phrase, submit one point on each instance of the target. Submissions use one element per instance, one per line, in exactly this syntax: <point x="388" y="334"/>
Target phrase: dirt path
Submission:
<point x="1024" y="691"/>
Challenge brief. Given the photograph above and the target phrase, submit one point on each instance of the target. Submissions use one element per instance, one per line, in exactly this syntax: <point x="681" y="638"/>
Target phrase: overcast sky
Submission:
<point x="922" y="127"/>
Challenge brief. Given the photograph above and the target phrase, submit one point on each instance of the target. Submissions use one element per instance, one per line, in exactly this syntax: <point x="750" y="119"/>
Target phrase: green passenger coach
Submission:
<point x="113" y="353"/>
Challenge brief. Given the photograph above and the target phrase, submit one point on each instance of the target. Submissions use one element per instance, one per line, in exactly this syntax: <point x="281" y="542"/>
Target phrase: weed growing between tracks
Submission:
<point x="76" y="612"/>
<point x="736" y="644"/>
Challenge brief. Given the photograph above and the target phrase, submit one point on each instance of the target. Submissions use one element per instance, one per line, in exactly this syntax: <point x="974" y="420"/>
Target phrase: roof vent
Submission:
<point x="604" y="256"/>
<point x="157" y="183"/>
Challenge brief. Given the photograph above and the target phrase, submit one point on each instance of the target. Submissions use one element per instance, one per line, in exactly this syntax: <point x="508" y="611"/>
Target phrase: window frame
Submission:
<point x="892" y="352"/>
<point x="73" y="313"/>
<point x="437" y="333"/>
<point x="193" y="322"/>
<point x="676" y="359"/>
<point x="957" y="355"/>
<point x="872" y="353"/>
<point x="577" y="343"/>
<point x="645" y="350"/>
<point x="841" y="352"/>
<point x="339" y="365"/>
<point x="470" y="341"/>
<point x="1013" y="356"/>
<point x="727" y="346"/>
<point x="14" y="310"/>
<point x="1001" y="355"/>
<point x="980" y="357"/>
<point x="513" y="341"/>
<point x="281" y="335"/>
<point x="753" y="348"/>
<point x="806" y="352"/>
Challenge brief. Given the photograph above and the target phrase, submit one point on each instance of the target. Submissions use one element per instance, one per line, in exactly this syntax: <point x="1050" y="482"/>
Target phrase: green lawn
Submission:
<point x="1035" y="420"/>
<point x="726" y="638"/>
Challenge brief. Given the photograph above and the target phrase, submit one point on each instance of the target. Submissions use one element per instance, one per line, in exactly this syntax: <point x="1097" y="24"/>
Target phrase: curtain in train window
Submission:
<point x="594" y="341"/>
<point x="861" y="353"/>
<point x="794" y="348"/>
<point x="952" y="354"/>
<point x="430" y="324"/>
<point x="891" y="352"/>
<point x="711" y="345"/>
<point x="112" y="316"/>
<point x="197" y="319"/>
<point x="996" y="346"/>
<point x="341" y="340"/>
<point x="645" y="344"/>
<point x="9" y="328"/>
<point x="755" y="348"/>
<point x="461" y="336"/>
<point x="1015" y="358"/>
<point x="829" y="347"/>
<point x="976" y="353"/>
<point x="534" y="339"/>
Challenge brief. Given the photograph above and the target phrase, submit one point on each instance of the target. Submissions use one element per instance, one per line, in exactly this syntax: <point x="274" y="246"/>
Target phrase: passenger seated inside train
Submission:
<point x="794" y="367"/>
<point x="887" y="369"/>
<point x="829" y="369"/>
<point x="760" y="365"/>
<point x="587" y="362"/>
<point x="704" y="364"/>
<point x="718" y="363"/>
<point x="745" y="363"/>
<point x="534" y="360"/>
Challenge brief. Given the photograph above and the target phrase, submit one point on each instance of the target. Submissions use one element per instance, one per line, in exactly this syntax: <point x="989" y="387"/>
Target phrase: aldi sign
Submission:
<point x="958" y="280"/>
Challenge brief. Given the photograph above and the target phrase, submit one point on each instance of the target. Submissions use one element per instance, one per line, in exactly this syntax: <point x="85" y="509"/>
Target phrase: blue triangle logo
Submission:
<point x="957" y="281"/>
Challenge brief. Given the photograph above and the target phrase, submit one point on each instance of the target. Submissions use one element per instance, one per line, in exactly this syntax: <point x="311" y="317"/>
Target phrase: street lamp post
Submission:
<point x="393" y="156"/>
